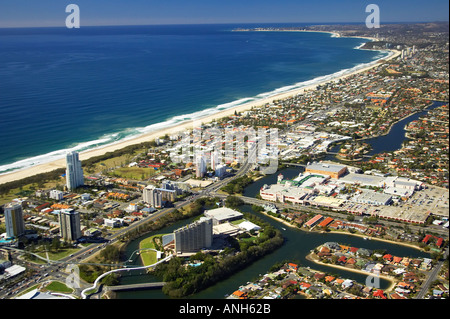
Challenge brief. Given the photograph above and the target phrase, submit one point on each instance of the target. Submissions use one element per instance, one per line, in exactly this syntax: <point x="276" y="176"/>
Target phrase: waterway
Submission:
<point x="394" y="140"/>
<point x="298" y="243"/>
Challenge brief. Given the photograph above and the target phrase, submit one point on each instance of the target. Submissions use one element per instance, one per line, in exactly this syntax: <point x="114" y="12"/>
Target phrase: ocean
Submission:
<point x="78" y="89"/>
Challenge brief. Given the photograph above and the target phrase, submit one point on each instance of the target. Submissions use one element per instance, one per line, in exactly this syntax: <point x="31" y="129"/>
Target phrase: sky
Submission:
<point x="41" y="13"/>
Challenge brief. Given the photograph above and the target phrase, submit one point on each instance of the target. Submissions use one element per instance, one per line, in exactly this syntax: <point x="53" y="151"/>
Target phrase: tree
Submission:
<point x="233" y="202"/>
<point x="56" y="244"/>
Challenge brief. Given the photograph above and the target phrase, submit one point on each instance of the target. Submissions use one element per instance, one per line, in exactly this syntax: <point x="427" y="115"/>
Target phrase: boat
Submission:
<point x="283" y="228"/>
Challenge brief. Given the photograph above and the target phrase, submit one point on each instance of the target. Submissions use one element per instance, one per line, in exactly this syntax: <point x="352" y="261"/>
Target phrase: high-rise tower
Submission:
<point x="69" y="224"/>
<point x="15" y="225"/>
<point x="74" y="172"/>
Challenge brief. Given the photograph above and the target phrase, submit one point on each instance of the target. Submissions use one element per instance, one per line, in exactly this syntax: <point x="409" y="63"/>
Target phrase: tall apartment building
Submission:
<point x="56" y="194"/>
<point x="153" y="196"/>
<point x="15" y="225"/>
<point x="69" y="224"/>
<point x="74" y="172"/>
<point x="195" y="236"/>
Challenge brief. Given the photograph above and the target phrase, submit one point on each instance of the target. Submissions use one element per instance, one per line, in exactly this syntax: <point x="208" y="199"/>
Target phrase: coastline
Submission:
<point x="189" y="125"/>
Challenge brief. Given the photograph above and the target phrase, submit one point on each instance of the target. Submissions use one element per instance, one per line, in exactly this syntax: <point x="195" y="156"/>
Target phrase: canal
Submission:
<point x="392" y="141"/>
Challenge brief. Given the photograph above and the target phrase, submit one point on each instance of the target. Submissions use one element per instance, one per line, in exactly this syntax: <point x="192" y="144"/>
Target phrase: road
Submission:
<point x="431" y="277"/>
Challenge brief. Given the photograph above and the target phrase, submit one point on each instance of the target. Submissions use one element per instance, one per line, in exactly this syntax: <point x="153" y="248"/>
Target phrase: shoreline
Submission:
<point x="189" y="125"/>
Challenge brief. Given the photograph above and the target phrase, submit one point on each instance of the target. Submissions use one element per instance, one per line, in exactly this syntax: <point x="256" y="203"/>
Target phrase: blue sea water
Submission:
<point x="76" y="89"/>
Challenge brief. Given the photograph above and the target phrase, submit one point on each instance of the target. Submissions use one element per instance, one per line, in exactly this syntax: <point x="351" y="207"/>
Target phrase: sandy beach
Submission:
<point x="47" y="167"/>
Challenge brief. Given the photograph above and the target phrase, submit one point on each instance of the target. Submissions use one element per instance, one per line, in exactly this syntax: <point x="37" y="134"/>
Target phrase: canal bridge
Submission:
<point x="148" y="285"/>
<point x="85" y="294"/>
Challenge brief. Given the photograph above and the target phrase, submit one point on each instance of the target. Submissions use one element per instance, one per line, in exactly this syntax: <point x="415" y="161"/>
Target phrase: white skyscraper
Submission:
<point x="14" y="223"/>
<point x="215" y="160"/>
<point x="195" y="236"/>
<point x="200" y="164"/>
<point x="74" y="172"/>
<point x="152" y="196"/>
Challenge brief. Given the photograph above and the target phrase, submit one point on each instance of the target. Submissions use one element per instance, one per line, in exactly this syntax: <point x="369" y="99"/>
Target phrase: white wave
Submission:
<point x="130" y="133"/>
<point x="52" y="156"/>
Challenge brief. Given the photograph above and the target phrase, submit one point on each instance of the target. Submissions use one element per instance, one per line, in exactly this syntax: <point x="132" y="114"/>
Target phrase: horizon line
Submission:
<point x="218" y="23"/>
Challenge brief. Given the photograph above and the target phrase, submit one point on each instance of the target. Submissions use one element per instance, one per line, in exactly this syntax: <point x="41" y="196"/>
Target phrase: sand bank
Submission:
<point x="47" y="167"/>
<point x="312" y="257"/>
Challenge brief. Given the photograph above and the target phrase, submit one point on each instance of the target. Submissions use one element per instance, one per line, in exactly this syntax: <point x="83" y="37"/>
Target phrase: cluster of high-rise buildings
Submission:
<point x="156" y="196"/>
<point x="201" y="163"/>
<point x="69" y="221"/>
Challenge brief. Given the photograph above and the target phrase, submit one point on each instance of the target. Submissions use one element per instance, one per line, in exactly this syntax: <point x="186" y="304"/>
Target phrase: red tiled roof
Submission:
<point x="379" y="293"/>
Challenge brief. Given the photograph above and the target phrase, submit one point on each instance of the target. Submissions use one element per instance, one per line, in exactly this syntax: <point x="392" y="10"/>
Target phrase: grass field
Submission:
<point x="57" y="286"/>
<point x="135" y="173"/>
<point x="148" y="257"/>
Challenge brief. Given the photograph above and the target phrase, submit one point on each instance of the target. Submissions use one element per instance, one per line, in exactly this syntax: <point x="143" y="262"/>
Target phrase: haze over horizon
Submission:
<point x="45" y="13"/>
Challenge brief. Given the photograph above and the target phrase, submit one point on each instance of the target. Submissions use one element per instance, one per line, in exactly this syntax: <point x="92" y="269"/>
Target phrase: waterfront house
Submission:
<point x="318" y="276"/>
<point x="339" y="281"/>
<point x="351" y="262"/>
<point x="416" y="263"/>
<point x="364" y="252"/>
<point x="329" y="278"/>
<point x="324" y="249"/>
<point x="293" y="267"/>
<point x="240" y="294"/>
<point x="379" y="294"/>
<point x="342" y="260"/>
<point x="347" y="283"/>
<point x="332" y="246"/>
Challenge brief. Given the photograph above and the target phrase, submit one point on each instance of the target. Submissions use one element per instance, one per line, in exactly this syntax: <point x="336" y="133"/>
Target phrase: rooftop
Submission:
<point x="328" y="167"/>
<point x="222" y="213"/>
